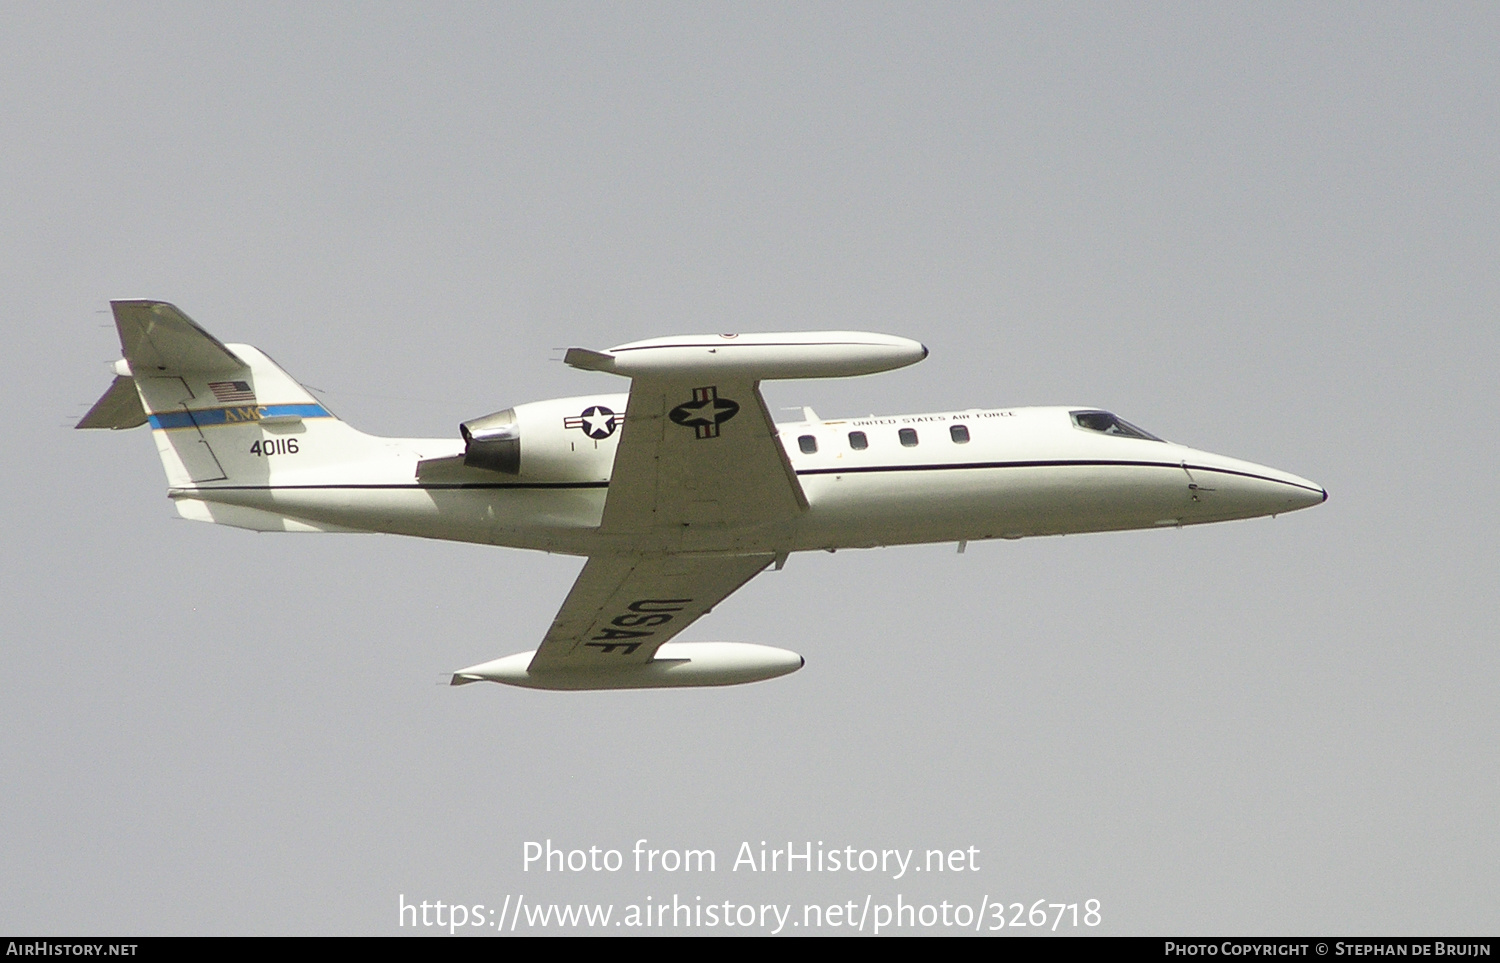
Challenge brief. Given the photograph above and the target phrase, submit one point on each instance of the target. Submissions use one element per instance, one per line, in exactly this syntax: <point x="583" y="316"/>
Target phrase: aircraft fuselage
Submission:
<point x="881" y="480"/>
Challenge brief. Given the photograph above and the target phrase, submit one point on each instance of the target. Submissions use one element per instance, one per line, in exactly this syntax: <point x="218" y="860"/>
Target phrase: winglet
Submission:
<point x="590" y="360"/>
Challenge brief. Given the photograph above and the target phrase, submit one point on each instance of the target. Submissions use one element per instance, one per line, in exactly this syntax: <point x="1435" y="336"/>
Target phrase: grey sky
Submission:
<point x="1269" y="231"/>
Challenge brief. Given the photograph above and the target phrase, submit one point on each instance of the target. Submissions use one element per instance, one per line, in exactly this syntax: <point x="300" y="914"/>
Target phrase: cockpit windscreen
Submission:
<point x="1108" y="424"/>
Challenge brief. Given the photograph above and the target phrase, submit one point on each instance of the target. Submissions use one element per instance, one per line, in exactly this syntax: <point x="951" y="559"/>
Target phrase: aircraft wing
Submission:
<point x="698" y="449"/>
<point x="698" y="453"/>
<point x="701" y="498"/>
<point x="693" y="458"/>
<point x="611" y="631"/>
<point x="622" y="608"/>
<point x="698" y="464"/>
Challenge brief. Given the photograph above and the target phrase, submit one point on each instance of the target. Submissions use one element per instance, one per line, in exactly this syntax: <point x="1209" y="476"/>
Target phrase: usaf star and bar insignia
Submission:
<point x="705" y="413"/>
<point x="596" y="421"/>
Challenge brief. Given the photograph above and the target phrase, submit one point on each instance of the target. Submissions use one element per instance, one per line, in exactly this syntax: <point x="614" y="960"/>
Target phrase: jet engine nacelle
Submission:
<point x="493" y="442"/>
<point x="564" y="437"/>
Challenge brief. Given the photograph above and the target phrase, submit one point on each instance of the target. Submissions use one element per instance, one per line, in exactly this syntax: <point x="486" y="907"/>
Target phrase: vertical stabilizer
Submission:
<point x="222" y="416"/>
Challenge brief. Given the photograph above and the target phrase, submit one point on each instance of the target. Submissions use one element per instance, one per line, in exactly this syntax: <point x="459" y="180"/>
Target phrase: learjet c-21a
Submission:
<point x="678" y="492"/>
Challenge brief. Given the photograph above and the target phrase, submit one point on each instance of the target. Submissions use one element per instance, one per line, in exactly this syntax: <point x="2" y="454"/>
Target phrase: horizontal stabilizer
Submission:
<point x="119" y="408"/>
<point x="157" y="337"/>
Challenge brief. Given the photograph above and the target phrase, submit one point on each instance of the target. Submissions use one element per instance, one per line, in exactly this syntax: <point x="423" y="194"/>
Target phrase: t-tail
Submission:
<point x="225" y="417"/>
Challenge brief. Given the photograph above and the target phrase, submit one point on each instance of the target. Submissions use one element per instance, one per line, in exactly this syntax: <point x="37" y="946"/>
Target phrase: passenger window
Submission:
<point x="808" y="444"/>
<point x="959" y="434"/>
<point x="908" y="437"/>
<point x="858" y="441"/>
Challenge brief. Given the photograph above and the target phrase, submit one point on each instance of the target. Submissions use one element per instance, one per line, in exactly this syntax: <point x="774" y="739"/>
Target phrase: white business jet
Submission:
<point x="678" y="492"/>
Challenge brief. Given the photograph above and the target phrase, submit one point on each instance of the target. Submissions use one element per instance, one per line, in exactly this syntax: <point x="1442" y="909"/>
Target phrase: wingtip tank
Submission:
<point x="762" y="357"/>
<point x="677" y="665"/>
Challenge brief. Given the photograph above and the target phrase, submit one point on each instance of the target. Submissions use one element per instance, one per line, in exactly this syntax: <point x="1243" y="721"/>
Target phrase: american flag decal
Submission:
<point x="231" y="391"/>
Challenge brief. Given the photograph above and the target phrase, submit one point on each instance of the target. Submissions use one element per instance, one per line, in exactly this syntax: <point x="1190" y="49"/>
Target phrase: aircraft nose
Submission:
<point x="1248" y="490"/>
<point x="1271" y="492"/>
<point x="1280" y="491"/>
<point x="1304" y="497"/>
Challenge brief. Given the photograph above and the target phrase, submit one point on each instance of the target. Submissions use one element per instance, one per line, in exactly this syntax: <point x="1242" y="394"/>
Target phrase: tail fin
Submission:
<point x="223" y="416"/>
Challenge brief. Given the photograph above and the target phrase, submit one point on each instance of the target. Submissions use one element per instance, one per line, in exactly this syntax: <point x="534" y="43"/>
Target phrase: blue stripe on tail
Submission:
<point x="234" y="415"/>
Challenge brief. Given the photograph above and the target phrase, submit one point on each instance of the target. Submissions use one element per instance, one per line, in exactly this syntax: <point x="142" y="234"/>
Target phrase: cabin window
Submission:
<point x="1108" y="424"/>
<point x="908" y="437"/>
<point x="858" y="441"/>
<point x="808" y="444"/>
<point x="959" y="434"/>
